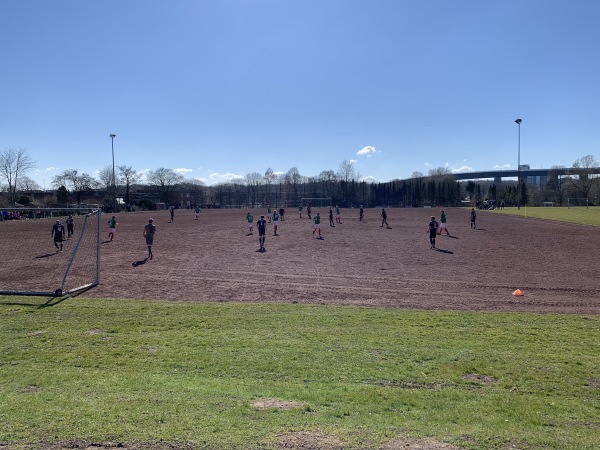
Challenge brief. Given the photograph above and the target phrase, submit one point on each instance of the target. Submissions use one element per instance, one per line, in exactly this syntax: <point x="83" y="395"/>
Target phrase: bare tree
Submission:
<point x="196" y="191"/>
<point x="253" y="182"/>
<point x="586" y="180"/>
<point x="27" y="184"/>
<point x="165" y="181"/>
<point x="14" y="163"/>
<point x="128" y="177"/>
<point x="440" y="172"/>
<point x="270" y="176"/>
<point x="75" y="182"/>
<point x="106" y="178"/>
<point x="417" y="174"/>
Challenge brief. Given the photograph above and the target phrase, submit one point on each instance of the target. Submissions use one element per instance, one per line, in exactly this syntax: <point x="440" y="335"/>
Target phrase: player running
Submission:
<point x="384" y="218"/>
<point x="443" y="225"/>
<point x="473" y="218"/>
<point x="112" y="226"/>
<point x="338" y="217"/>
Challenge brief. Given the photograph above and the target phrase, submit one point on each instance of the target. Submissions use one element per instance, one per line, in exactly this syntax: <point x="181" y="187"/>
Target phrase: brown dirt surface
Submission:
<point x="356" y="263"/>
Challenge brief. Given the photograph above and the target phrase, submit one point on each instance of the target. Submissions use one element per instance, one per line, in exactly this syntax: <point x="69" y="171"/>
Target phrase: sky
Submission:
<point x="219" y="89"/>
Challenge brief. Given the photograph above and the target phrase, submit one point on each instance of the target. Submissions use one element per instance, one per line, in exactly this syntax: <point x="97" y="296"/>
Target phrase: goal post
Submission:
<point x="578" y="203"/>
<point x="32" y="265"/>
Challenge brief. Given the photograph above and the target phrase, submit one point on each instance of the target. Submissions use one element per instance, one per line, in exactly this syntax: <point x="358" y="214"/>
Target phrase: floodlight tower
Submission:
<point x="518" y="122"/>
<point x="114" y="180"/>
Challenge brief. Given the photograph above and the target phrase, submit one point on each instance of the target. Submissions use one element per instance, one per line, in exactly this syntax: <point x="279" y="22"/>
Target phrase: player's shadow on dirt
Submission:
<point x="47" y="255"/>
<point x="105" y="242"/>
<point x="139" y="263"/>
<point x="444" y="251"/>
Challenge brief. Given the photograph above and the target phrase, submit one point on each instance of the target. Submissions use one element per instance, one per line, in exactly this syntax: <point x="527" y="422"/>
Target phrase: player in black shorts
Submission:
<point x="261" y="225"/>
<point x="70" y="225"/>
<point x="432" y="229"/>
<point x="58" y="232"/>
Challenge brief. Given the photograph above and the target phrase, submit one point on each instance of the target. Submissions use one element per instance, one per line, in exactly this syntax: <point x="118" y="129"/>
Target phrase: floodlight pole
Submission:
<point x="518" y="122"/>
<point x="114" y="180"/>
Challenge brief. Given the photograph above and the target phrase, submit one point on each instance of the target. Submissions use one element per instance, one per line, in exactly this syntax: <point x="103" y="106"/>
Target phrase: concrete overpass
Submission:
<point x="524" y="173"/>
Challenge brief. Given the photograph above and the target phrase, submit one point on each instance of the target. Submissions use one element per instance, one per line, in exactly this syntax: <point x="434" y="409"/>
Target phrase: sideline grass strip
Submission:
<point x="140" y="371"/>
<point x="583" y="216"/>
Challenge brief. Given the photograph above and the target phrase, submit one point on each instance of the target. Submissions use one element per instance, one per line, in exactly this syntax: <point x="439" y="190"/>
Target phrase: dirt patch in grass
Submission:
<point x="265" y="403"/>
<point x="305" y="440"/>
<point x="417" y="444"/>
<point x="483" y="379"/>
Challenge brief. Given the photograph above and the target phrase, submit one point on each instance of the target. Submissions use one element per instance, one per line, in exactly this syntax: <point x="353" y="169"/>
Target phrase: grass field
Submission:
<point x="580" y="215"/>
<point x="151" y="374"/>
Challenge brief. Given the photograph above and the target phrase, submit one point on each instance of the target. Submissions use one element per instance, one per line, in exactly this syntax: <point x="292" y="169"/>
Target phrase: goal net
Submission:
<point x="31" y="262"/>
<point x="317" y="202"/>
<point x="577" y="203"/>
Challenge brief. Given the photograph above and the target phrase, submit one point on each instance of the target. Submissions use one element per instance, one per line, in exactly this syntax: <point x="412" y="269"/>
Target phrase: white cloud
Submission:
<point x="182" y="171"/>
<point x="368" y="179"/>
<point x="501" y="166"/>
<point x="462" y="169"/>
<point x="216" y="178"/>
<point x="427" y="164"/>
<point x="353" y="161"/>
<point x="368" y="151"/>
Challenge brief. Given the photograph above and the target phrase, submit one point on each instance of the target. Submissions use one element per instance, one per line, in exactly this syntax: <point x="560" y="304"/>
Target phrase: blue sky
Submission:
<point x="218" y="89"/>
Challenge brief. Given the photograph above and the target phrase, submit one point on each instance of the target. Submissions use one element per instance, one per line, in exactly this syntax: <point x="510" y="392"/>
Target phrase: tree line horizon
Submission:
<point x="342" y="187"/>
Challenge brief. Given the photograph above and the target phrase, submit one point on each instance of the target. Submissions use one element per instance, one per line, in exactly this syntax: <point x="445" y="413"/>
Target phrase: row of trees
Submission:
<point x="343" y="187"/>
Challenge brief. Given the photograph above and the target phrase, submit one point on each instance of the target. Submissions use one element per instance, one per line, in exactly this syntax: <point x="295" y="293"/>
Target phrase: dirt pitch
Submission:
<point x="356" y="263"/>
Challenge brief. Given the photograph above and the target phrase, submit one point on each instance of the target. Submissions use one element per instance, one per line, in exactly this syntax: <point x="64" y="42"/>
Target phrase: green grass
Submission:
<point x="580" y="215"/>
<point x="140" y="371"/>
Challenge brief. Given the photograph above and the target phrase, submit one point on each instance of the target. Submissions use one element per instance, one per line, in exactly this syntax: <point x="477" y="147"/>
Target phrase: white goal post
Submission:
<point x="578" y="203"/>
<point x="31" y="262"/>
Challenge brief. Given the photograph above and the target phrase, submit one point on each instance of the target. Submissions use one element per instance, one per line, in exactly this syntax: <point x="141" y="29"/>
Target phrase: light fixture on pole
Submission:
<point x="114" y="180"/>
<point x="518" y="122"/>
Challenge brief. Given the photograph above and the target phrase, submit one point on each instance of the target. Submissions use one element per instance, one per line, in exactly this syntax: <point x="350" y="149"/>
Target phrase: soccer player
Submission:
<point x="197" y="212"/>
<point x="384" y="217"/>
<point x="308" y="210"/>
<point x="331" y="224"/>
<point x="58" y="231"/>
<point x="250" y="221"/>
<point x="149" y="232"/>
<point x="261" y="226"/>
<point x="300" y="210"/>
<point x="473" y="218"/>
<point x="282" y="213"/>
<point x="338" y="217"/>
<point x="443" y="225"/>
<point x="433" y="225"/>
<point x="275" y="222"/>
<point x="112" y="225"/>
<point x="172" y="211"/>
<point x="70" y="225"/>
<point x="361" y="213"/>
<point x="317" y="226"/>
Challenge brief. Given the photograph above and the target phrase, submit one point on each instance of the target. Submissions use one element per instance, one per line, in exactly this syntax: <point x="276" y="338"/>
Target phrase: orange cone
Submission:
<point x="518" y="293"/>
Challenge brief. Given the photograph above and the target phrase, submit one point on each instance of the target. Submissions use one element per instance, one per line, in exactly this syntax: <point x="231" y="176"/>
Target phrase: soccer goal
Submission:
<point x="31" y="263"/>
<point x="578" y="203"/>
<point x="316" y="202"/>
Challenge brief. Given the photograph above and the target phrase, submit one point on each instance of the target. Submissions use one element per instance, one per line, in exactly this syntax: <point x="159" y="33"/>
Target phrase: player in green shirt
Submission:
<point x="197" y="212"/>
<point x="250" y="221"/>
<point x="112" y="225"/>
<point x="317" y="226"/>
